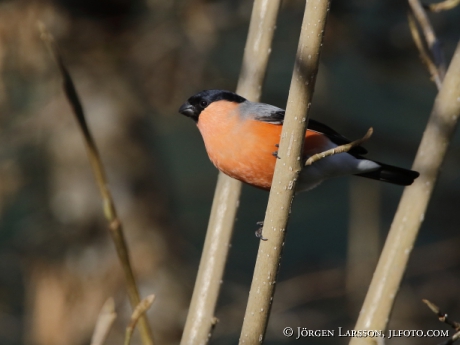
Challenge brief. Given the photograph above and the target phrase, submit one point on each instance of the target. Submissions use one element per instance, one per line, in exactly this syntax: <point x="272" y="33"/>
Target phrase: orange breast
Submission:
<point x="243" y="149"/>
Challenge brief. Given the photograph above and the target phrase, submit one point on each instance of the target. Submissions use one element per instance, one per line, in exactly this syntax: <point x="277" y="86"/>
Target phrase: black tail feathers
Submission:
<point x="392" y="174"/>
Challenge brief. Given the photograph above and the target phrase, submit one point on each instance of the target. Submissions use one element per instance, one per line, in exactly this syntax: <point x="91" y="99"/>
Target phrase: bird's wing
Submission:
<point x="262" y="112"/>
<point x="335" y="137"/>
<point x="275" y="115"/>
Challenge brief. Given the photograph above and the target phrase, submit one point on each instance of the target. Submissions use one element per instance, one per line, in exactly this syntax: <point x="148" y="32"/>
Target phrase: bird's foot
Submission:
<point x="275" y="153"/>
<point x="259" y="231"/>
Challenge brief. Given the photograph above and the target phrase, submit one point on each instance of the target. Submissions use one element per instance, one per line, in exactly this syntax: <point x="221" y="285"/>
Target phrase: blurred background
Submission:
<point x="134" y="62"/>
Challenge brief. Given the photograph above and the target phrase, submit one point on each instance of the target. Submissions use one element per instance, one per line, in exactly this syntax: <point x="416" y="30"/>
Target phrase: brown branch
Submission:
<point x="104" y="322"/>
<point x="442" y="6"/>
<point x="200" y="319"/>
<point x="431" y="40"/>
<point x="424" y="53"/>
<point x="442" y="316"/>
<point x="452" y="340"/>
<point x="140" y="310"/>
<point x="108" y="205"/>
<point x="339" y="149"/>
<point x="286" y="173"/>
<point x="413" y="205"/>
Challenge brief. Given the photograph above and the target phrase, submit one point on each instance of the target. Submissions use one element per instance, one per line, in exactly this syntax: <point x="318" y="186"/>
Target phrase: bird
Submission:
<point x="241" y="138"/>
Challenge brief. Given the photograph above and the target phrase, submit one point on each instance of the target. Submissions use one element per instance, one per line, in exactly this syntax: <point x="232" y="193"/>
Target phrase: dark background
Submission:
<point x="134" y="63"/>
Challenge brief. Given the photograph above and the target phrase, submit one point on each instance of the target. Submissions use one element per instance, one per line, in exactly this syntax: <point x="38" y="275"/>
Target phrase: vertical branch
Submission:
<point x="108" y="204"/>
<point x="200" y="319"/>
<point x="258" y="48"/>
<point x="286" y="173"/>
<point x="411" y="210"/>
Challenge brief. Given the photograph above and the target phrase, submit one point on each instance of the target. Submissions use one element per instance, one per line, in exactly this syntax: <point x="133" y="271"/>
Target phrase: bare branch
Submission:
<point x="339" y="149"/>
<point x="430" y="37"/>
<point x="141" y="308"/>
<point x="442" y="6"/>
<point x="200" y="320"/>
<point x="108" y="204"/>
<point x="104" y="322"/>
<point x="442" y="316"/>
<point x="424" y="53"/>
<point x="413" y="205"/>
<point x="452" y="340"/>
<point x="286" y="173"/>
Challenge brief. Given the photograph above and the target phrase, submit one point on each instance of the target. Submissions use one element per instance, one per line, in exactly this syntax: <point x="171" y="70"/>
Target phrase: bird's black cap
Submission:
<point x="197" y="103"/>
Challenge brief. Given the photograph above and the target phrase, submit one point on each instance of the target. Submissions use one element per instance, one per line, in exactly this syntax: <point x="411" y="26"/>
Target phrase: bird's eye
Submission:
<point x="204" y="104"/>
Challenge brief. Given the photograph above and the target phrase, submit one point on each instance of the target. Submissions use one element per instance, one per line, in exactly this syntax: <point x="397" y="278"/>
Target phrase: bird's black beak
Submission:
<point x="189" y="110"/>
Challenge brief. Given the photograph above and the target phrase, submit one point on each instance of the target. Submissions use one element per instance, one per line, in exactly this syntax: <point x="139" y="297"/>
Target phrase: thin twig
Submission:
<point x="430" y="38"/>
<point x="424" y="53"/>
<point x="140" y="310"/>
<point x="110" y="212"/>
<point x="104" y="322"/>
<point x="445" y="319"/>
<point x="441" y="315"/>
<point x="442" y="6"/>
<point x="451" y="340"/>
<point x="339" y="149"/>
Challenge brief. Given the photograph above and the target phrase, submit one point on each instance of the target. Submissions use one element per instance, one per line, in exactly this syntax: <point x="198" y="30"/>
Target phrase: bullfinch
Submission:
<point x="241" y="136"/>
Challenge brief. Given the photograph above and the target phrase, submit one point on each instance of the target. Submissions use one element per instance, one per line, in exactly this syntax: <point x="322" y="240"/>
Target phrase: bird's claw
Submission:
<point x="276" y="152"/>
<point x="259" y="232"/>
